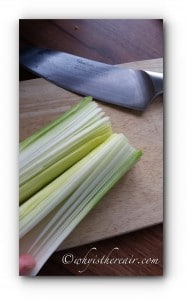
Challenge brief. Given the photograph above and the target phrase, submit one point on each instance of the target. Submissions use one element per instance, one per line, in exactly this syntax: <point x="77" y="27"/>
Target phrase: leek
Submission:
<point x="65" y="170"/>
<point x="49" y="217"/>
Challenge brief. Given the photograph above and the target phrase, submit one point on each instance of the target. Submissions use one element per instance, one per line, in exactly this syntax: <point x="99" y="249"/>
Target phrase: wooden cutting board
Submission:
<point x="137" y="200"/>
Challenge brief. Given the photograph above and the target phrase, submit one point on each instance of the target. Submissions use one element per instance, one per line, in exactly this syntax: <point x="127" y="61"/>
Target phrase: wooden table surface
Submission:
<point x="114" y="42"/>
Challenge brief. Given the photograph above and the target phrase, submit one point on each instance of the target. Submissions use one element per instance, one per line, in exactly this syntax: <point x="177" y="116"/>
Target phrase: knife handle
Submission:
<point x="157" y="79"/>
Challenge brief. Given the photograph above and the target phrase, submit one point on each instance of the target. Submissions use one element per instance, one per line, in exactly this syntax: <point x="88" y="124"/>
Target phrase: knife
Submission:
<point x="126" y="87"/>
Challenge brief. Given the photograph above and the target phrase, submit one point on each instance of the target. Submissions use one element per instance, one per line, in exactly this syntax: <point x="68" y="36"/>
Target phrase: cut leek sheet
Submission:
<point x="51" y="214"/>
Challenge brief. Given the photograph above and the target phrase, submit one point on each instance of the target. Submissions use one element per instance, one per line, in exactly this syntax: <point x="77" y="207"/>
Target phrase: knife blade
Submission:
<point x="129" y="88"/>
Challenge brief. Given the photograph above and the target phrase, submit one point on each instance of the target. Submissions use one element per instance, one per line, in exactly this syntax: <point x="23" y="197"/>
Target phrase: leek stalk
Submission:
<point x="71" y="184"/>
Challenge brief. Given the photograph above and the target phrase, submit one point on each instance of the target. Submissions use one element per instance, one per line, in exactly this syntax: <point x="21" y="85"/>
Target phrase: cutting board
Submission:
<point x="137" y="200"/>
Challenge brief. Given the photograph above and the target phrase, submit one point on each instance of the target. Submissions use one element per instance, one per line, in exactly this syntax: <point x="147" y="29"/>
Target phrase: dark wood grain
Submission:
<point x="108" y="41"/>
<point x="114" y="42"/>
<point x="146" y="243"/>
